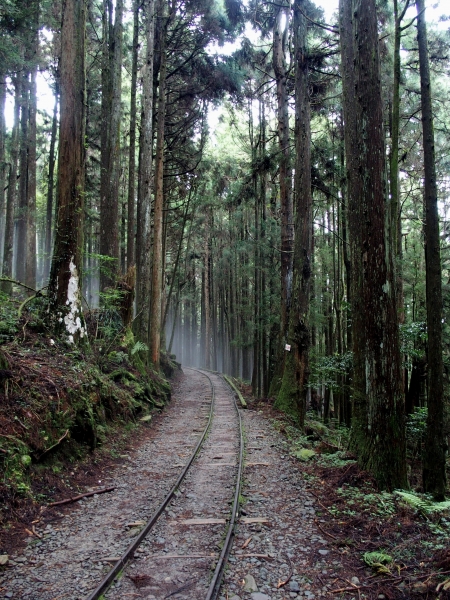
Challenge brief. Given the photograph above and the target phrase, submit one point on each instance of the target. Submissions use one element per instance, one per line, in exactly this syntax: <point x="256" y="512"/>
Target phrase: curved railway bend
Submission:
<point x="276" y="551"/>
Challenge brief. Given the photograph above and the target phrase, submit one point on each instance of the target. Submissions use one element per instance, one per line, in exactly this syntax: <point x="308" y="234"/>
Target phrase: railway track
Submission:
<point x="169" y="557"/>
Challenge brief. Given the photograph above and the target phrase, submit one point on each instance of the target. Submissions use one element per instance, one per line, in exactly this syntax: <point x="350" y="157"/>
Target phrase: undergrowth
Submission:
<point x="59" y="401"/>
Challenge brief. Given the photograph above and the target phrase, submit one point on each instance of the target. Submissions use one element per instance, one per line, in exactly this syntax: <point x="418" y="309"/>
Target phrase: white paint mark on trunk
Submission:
<point x="72" y="319"/>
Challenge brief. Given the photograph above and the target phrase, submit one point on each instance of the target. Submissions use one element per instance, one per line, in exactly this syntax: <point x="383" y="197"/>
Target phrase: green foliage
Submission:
<point x="9" y="322"/>
<point x="413" y="337"/>
<point x="16" y="462"/>
<point x="416" y="424"/>
<point x="424" y="504"/>
<point x="328" y="370"/>
<point x="375" y="559"/>
<point x="336" y="459"/>
<point x="380" y="505"/>
<point x="138" y="347"/>
<point x="109" y="320"/>
<point x="304" y="454"/>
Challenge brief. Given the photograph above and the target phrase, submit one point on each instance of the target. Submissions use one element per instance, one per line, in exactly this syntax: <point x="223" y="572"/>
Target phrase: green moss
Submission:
<point x="287" y="399"/>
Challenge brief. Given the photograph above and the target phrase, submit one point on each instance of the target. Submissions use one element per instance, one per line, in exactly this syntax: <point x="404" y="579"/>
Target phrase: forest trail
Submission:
<point x="283" y="544"/>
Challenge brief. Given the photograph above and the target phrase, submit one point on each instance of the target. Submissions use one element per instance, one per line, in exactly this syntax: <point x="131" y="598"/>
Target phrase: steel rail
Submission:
<point x="129" y="552"/>
<point x="214" y="586"/>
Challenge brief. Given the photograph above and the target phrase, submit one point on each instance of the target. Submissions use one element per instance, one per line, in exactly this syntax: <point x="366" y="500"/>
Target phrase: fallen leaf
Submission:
<point x="246" y="543"/>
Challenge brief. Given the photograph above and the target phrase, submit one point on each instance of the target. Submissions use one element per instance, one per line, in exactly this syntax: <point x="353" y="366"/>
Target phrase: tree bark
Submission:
<point x="434" y="476"/>
<point x="378" y="434"/>
<point x="51" y="185"/>
<point x="30" y="262"/>
<point x="131" y="254"/>
<point x="206" y="290"/>
<point x="2" y="162"/>
<point x="292" y="395"/>
<point x="143" y="230"/>
<point x="22" y="208"/>
<point x="285" y="173"/>
<point x="110" y="147"/>
<point x="6" y="286"/>
<point x="156" y="290"/>
<point x="65" y="278"/>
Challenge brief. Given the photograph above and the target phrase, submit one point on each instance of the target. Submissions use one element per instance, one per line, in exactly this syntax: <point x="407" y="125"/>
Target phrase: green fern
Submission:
<point x="304" y="454"/>
<point x="138" y="347"/>
<point x="374" y="559"/>
<point x="423" y="505"/>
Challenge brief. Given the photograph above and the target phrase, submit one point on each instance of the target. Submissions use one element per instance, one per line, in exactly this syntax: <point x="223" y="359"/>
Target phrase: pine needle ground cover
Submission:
<point x="391" y="545"/>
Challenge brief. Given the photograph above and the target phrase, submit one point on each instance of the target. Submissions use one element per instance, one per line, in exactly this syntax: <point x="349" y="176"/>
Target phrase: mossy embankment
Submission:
<point x="60" y="402"/>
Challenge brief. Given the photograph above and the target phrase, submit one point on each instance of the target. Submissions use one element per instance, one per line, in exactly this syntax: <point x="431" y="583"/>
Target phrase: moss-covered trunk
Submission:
<point x="378" y="433"/>
<point x="292" y="395"/>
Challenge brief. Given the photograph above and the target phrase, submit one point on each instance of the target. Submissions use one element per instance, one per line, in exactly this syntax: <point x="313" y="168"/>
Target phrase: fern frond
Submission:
<point x="138" y="347"/>
<point x="423" y="505"/>
<point x="377" y="559"/>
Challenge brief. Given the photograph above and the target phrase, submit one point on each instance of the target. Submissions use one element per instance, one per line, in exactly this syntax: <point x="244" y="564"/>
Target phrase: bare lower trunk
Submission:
<point x="51" y="188"/>
<point x="157" y="262"/>
<point x="143" y="229"/>
<point x="30" y="262"/>
<point x="131" y="255"/>
<point x="434" y="476"/>
<point x="110" y="150"/>
<point x="2" y="163"/>
<point x="22" y="210"/>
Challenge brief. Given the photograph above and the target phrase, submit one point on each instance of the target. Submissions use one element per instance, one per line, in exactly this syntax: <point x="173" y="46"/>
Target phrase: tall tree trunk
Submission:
<point x="30" y="261"/>
<point x="292" y="395"/>
<point x="65" y="278"/>
<point x="51" y="185"/>
<point x="157" y="282"/>
<point x="22" y="209"/>
<point x="110" y="146"/>
<point x="177" y="259"/>
<point x="131" y="254"/>
<point x="206" y="292"/>
<point x="378" y="433"/>
<point x="395" y="127"/>
<point x="143" y="230"/>
<point x="434" y="476"/>
<point x="285" y="175"/>
<point x="12" y="190"/>
<point x="2" y="163"/>
<point x="256" y="374"/>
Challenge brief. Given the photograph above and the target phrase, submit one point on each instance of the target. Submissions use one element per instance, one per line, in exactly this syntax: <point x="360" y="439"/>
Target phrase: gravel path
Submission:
<point x="181" y="551"/>
<point x="283" y="541"/>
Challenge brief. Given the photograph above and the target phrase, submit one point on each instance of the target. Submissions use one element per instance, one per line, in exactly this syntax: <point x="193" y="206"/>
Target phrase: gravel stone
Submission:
<point x="250" y="584"/>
